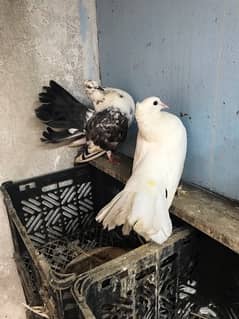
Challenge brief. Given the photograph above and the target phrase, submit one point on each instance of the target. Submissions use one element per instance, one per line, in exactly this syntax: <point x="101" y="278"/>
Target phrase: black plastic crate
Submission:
<point x="213" y="287"/>
<point x="145" y="283"/>
<point x="52" y="218"/>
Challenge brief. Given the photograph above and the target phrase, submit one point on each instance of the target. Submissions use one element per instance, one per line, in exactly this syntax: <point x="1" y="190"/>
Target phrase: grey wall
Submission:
<point x="39" y="40"/>
<point x="187" y="52"/>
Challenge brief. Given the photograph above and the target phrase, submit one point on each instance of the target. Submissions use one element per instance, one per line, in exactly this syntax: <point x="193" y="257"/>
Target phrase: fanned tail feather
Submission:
<point x="59" y="109"/>
<point x="53" y="136"/>
<point x="146" y="213"/>
<point x="150" y="216"/>
<point x="117" y="211"/>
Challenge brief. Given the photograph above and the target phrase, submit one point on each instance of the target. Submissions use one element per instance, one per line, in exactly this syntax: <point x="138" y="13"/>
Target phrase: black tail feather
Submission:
<point x="60" y="109"/>
<point x="54" y="137"/>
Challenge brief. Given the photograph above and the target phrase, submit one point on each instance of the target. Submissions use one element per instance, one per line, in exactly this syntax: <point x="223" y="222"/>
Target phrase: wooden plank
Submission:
<point x="120" y="171"/>
<point x="213" y="215"/>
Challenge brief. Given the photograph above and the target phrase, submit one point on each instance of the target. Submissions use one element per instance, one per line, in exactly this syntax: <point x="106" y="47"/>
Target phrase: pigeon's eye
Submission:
<point x="155" y="103"/>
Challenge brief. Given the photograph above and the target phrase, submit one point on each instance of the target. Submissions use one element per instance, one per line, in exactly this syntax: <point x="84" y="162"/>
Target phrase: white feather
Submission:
<point x="158" y="165"/>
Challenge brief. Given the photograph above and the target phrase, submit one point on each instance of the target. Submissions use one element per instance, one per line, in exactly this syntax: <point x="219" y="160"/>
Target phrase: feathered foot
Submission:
<point x="88" y="153"/>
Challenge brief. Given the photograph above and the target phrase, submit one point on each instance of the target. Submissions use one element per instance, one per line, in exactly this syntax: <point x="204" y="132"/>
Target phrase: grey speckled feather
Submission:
<point x="107" y="128"/>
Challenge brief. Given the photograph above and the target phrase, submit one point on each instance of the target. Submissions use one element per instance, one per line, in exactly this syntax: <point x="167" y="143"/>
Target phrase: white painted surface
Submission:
<point x="39" y="41"/>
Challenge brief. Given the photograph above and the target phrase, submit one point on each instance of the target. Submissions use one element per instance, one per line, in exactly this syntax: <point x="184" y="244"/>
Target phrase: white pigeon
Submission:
<point x="158" y="165"/>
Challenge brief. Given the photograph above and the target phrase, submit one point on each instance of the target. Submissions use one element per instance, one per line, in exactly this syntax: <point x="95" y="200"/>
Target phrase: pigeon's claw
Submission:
<point x="112" y="158"/>
<point x="180" y="191"/>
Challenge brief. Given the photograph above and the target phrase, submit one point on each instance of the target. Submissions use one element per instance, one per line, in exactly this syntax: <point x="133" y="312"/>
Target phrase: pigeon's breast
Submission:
<point x="107" y="128"/>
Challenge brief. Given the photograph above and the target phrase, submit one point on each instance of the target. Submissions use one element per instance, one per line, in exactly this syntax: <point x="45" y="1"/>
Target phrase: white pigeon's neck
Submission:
<point x="148" y="120"/>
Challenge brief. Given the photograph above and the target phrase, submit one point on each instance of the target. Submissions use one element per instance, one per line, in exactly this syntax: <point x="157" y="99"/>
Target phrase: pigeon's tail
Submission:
<point x="54" y="136"/>
<point x="60" y="110"/>
<point x="116" y="213"/>
<point x="145" y="212"/>
<point x="88" y="152"/>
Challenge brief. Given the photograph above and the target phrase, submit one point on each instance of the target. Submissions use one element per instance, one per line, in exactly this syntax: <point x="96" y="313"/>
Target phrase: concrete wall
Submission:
<point x="39" y="40"/>
<point x="186" y="52"/>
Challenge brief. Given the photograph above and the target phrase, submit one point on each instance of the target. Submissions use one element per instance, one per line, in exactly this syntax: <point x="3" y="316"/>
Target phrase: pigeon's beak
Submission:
<point x="164" y="106"/>
<point x="92" y="85"/>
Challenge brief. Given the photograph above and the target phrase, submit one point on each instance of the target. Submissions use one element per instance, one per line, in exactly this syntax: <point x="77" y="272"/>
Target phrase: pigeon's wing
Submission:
<point x="104" y="131"/>
<point x="59" y="109"/>
<point x="107" y="128"/>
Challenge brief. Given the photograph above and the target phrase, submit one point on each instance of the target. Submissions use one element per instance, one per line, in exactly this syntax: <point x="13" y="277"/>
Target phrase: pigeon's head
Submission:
<point x="92" y="86"/>
<point x="152" y="102"/>
<point x="107" y="97"/>
<point x="149" y="108"/>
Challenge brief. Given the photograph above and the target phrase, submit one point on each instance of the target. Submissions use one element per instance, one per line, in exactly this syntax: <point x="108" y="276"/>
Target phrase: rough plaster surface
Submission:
<point x="39" y="40"/>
